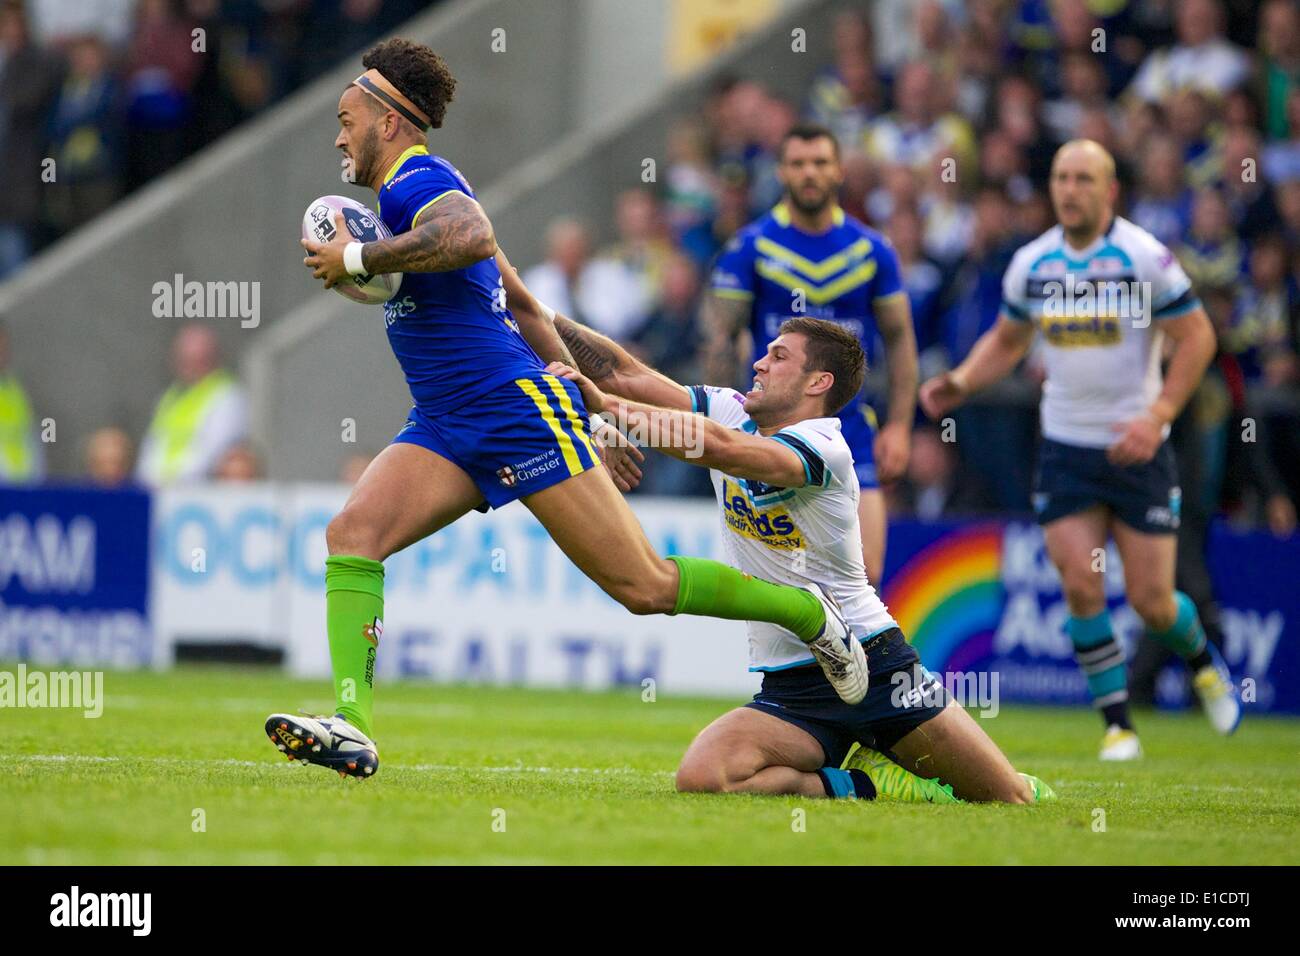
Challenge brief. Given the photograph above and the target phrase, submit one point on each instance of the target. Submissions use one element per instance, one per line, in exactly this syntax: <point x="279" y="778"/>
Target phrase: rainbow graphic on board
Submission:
<point x="948" y="597"/>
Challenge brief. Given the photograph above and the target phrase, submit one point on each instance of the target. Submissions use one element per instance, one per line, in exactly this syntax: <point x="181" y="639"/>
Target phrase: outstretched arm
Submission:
<point x="995" y="354"/>
<point x="693" y="438"/>
<point x="614" y="370"/>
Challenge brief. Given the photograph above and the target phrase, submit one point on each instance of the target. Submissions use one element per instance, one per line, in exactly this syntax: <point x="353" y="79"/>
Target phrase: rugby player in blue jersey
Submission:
<point x="807" y="257"/>
<point x="488" y="425"/>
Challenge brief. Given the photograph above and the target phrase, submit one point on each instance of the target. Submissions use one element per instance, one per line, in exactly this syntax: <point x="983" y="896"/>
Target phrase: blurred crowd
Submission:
<point x="948" y="114"/>
<point x="99" y="97"/>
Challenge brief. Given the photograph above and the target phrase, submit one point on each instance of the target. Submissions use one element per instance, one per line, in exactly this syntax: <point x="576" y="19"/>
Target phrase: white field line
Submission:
<point x="418" y="768"/>
<point x="132" y="702"/>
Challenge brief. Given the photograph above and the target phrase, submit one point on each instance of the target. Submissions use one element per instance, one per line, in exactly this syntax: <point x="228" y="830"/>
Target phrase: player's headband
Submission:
<point x="377" y="85"/>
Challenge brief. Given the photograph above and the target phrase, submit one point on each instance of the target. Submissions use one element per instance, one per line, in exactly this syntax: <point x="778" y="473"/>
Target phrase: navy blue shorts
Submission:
<point x="901" y="695"/>
<point x="858" y="426"/>
<point x="1071" y="478"/>
<point x="519" y="438"/>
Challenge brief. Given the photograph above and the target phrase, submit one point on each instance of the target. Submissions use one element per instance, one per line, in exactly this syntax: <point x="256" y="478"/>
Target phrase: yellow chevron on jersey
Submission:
<point x="816" y="271"/>
<point x="815" y="293"/>
<point x="770" y="525"/>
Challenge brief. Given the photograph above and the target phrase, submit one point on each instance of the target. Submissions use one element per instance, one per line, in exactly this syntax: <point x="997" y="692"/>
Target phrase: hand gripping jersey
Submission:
<point x="451" y="332"/>
<point x="795" y="535"/>
<point x="1099" y="311"/>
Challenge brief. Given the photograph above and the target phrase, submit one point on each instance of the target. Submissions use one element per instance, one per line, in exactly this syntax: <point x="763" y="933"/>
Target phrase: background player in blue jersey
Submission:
<point x="489" y="425"/>
<point x="808" y="258"/>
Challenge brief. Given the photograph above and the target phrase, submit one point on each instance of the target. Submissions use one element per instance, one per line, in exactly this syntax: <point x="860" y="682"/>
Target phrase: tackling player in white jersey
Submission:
<point x="788" y="494"/>
<point x="1106" y="294"/>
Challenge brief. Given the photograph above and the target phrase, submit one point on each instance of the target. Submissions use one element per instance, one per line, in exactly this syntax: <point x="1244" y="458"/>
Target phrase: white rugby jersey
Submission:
<point x="1099" y="311"/>
<point x="795" y="535"/>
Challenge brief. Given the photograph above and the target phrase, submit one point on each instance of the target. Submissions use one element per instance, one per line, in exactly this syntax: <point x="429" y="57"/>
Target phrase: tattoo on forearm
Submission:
<point x="453" y="234"/>
<point x="596" y="359"/>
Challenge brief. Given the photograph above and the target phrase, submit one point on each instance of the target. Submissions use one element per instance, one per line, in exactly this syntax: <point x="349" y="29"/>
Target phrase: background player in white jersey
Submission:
<point x="788" y="493"/>
<point x="1106" y="294"/>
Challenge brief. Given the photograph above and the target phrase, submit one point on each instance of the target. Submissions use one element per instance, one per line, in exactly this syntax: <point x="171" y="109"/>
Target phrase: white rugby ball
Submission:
<point x="363" y="226"/>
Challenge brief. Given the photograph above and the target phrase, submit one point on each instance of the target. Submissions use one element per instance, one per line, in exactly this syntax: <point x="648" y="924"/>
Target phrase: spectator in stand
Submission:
<point x="691" y="186"/>
<point x="931" y="490"/>
<point x="1278" y="79"/>
<point x="1212" y="255"/>
<point x="915" y="133"/>
<point x="1017" y="115"/>
<point x="1189" y="116"/>
<point x="22" y="457"/>
<point x="1260" y="331"/>
<point x="670" y="341"/>
<point x="1281" y="158"/>
<point x="949" y="217"/>
<point x="1163" y="203"/>
<point x="57" y="22"/>
<point x="1250" y="197"/>
<point x="29" y="81"/>
<point x="997" y="440"/>
<point x="922" y="280"/>
<point x="557" y="280"/>
<point x="199" y="418"/>
<point x="1083" y="88"/>
<point x="85" y="138"/>
<point x="108" y="457"/>
<point x="160" y="72"/>
<point x="239" y="463"/>
<point x="846" y="96"/>
<point x="1202" y="59"/>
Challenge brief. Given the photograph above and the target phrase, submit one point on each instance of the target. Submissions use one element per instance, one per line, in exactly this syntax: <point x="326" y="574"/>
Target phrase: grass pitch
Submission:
<point x="587" y="778"/>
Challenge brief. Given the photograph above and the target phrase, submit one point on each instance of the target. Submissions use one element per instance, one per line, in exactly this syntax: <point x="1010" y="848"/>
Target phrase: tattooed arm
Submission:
<point x="610" y="366"/>
<point x="451" y="234"/>
<point x="723" y="318"/>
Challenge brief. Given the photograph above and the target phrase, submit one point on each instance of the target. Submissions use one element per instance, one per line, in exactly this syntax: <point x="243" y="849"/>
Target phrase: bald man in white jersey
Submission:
<point x="1106" y="295"/>
<point x="788" y="496"/>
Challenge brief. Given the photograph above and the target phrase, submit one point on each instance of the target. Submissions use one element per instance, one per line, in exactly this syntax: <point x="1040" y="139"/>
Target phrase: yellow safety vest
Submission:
<point x="179" y="414"/>
<point x="16" y="460"/>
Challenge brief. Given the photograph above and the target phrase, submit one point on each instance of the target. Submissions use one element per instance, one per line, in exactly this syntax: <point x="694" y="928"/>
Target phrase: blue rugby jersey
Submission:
<point x="842" y="273"/>
<point x="451" y="332"/>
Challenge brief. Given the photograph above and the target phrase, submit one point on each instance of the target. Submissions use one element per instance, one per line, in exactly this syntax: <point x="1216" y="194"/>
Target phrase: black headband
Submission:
<point x="365" y="83"/>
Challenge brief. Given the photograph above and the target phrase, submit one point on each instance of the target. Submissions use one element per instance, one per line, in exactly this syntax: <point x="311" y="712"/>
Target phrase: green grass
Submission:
<point x="587" y="778"/>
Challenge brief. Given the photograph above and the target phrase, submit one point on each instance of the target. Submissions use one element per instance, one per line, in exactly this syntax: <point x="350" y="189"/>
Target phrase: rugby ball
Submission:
<point x="363" y="226"/>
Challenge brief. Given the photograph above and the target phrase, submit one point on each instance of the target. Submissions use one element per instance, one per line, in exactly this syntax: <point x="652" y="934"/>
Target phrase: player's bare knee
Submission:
<point x="653" y="592"/>
<point x="1155" y="606"/>
<point x="349" y="533"/>
<point x="693" y="777"/>
<point x="1085" y="592"/>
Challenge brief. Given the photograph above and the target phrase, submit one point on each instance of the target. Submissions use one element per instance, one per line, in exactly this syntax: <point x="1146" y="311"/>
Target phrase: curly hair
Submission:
<point x="420" y="74"/>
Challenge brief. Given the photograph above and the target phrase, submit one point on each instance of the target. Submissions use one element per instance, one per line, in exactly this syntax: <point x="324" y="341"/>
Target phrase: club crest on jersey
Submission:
<point x="771" y="525"/>
<point x="373" y="631"/>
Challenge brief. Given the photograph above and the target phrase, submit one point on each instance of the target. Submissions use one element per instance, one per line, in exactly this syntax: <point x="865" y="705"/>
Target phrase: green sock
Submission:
<point x="1186" y="637"/>
<point x="354" y="610"/>
<point x="712" y="589"/>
